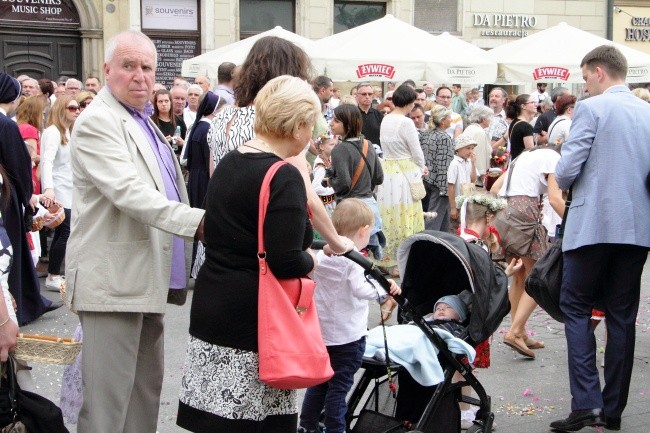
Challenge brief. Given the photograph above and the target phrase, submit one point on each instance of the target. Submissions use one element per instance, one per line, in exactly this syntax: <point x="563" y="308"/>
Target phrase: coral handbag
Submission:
<point x="292" y="353"/>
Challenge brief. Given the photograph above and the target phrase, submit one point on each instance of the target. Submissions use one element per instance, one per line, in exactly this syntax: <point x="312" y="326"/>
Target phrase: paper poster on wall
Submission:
<point x="172" y="15"/>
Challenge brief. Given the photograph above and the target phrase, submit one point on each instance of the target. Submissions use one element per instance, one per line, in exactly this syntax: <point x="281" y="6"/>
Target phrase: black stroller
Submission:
<point x="432" y="264"/>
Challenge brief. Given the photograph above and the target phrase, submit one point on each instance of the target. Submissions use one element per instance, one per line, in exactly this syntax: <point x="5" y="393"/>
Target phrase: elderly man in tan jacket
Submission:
<point x="130" y="220"/>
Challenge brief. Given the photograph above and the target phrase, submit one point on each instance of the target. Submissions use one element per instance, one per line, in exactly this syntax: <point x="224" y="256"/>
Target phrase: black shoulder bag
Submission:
<point x="24" y="411"/>
<point x="545" y="280"/>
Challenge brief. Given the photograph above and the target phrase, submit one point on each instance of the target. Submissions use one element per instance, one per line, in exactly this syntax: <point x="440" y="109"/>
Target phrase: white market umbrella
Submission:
<point x="389" y="49"/>
<point x="554" y="55"/>
<point x="208" y="63"/>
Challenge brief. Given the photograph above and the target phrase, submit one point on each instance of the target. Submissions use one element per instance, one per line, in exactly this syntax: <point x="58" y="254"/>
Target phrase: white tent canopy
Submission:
<point x="208" y="63"/>
<point x="389" y="49"/>
<point x="554" y="55"/>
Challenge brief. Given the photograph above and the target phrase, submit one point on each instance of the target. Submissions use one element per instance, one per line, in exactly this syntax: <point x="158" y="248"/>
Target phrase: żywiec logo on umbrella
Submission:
<point x="375" y="70"/>
<point x="546" y="72"/>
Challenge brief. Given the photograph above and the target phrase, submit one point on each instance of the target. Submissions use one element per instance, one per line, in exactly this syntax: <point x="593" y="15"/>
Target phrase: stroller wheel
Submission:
<point x="475" y="429"/>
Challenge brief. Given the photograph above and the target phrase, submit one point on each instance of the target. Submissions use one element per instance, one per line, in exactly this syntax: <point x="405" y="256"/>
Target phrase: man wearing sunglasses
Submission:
<point x="371" y="116"/>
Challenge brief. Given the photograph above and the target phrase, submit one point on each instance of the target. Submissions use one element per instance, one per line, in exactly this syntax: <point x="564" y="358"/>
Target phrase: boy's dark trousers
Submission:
<point x="345" y="360"/>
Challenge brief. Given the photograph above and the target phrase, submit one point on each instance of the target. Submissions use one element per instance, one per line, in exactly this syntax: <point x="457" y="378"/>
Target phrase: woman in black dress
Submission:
<point x="220" y="388"/>
<point x="198" y="151"/>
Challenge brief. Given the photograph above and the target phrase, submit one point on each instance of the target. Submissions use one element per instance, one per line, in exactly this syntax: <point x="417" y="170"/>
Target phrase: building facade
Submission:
<point x="49" y="38"/>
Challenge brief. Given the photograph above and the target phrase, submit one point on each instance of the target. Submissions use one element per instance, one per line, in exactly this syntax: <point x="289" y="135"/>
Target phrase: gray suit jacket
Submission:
<point x="119" y="252"/>
<point x="607" y="159"/>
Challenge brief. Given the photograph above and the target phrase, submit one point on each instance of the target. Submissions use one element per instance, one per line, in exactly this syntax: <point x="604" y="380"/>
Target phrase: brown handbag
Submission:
<point x="515" y="228"/>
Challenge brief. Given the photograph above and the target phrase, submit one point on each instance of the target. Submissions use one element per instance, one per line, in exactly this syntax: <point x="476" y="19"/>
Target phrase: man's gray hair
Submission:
<point x="479" y="114"/>
<point x="74" y="81"/>
<point x="557" y="92"/>
<point x="112" y="43"/>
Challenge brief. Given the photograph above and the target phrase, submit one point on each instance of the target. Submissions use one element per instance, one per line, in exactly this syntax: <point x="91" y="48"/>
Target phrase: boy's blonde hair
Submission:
<point x="350" y="215"/>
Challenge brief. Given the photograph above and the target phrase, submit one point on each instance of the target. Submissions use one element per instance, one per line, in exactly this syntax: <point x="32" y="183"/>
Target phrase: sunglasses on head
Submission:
<point x="72" y="108"/>
<point x="84" y="104"/>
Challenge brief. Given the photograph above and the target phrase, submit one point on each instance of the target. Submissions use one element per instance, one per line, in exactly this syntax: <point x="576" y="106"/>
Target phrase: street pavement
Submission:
<point x="526" y="394"/>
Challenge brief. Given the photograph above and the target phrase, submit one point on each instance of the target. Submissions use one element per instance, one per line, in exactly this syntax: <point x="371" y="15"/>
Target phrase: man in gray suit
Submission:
<point x="130" y="220"/>
<point x="605" y="161"/>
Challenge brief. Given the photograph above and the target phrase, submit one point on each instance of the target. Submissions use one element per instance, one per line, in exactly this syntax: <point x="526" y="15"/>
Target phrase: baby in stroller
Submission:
<point x="449" y="313"/>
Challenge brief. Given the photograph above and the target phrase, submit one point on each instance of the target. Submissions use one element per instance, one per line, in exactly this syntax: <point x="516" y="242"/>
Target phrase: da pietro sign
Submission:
<point x="504" y="25"/>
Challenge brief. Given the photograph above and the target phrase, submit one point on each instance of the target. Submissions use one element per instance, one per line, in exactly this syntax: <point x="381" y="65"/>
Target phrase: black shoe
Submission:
<point x="177" y="296"/>
<point x="612" y="423"/>
<point x="579" y="419"/>
<point x="53" y="306"/>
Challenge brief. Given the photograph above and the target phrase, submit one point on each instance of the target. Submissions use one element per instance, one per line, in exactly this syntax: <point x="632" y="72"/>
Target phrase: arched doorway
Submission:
<point x="49" y="41"/>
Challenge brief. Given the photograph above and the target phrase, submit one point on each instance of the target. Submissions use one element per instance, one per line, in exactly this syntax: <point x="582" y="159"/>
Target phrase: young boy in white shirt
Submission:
<point x="462" y="170"/>
<point x="341" y="297"/>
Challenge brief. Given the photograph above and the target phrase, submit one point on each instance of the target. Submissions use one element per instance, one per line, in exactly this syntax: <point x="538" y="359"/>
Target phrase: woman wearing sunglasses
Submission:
<point x="84" y="99"/>
<point x="56" y="179"/>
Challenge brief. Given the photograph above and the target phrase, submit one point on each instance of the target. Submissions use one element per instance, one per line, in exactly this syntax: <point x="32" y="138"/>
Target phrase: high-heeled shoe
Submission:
<point x="531" y="343"/>
<point x="518" y="344"/>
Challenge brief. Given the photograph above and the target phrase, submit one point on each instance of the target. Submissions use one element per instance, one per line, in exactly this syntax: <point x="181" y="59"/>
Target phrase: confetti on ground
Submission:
<point x="524" y="409"/>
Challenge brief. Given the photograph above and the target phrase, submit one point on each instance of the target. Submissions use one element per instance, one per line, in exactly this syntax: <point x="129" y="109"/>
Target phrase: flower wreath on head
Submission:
<point x="493" y="204"/>
<point x="324" y="137"/>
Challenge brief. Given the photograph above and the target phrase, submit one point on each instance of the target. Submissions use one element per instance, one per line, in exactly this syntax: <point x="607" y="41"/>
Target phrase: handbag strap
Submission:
<point x="359" y="169"/>
<point x="306" y="295"/>
<point x="553" y="126"/>
<point x="265" y="193"/>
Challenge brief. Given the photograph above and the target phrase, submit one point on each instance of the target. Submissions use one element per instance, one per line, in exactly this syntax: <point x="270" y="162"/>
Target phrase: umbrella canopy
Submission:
<point x="554" y="55"/>
<point x="389" y="49"/>
<point x="208" y="63"/>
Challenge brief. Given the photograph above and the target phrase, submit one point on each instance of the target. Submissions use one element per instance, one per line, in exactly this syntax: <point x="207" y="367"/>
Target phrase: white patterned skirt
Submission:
<point x="225" y="382"/>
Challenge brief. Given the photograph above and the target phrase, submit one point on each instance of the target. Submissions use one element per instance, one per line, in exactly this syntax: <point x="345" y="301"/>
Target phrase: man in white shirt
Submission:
<point x="193" y="95"/>
<point x="443" y="97"/>
<point x="498" y="125"/>
<point x="540" y="95"/>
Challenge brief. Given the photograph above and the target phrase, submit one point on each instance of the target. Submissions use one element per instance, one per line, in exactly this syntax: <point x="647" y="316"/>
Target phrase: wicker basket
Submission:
<point x="47" y="349"/>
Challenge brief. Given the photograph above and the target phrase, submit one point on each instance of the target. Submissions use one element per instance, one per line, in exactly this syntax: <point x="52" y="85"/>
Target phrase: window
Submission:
<point x="257" y="16"/>
<point x="436" y="16"/>
<point x="348" y="15"/>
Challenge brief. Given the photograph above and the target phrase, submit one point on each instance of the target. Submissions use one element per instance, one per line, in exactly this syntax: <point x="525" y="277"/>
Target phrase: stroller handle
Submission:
<point x="369" y="267"/>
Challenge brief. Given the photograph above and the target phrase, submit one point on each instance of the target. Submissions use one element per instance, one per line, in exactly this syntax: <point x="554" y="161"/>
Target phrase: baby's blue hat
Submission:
<point x="454" y="302"/>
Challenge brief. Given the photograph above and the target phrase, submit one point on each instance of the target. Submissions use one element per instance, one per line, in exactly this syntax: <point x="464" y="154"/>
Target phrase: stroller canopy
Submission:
<point x="435" y="264"/>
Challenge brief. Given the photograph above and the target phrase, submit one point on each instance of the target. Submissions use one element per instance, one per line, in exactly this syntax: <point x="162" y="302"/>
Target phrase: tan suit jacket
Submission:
<point x="119" y="251"/>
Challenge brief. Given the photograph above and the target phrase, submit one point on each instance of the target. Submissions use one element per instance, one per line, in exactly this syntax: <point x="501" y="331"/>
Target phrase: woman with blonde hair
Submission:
<point x="438" y="148"/>
<point x="56" y="178"/>
<point x="84" y="99"/>
<point x="221" y="390"/>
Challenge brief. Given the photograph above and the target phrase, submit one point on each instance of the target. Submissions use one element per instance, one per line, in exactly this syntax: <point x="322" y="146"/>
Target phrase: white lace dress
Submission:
<point x="231" y="128"/>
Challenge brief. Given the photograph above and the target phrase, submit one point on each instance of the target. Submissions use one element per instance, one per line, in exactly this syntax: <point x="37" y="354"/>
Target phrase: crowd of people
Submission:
<point x="364" y="173"/>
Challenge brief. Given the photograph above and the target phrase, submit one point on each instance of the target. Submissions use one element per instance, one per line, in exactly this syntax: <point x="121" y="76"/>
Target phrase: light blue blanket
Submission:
<point x="410" y="347"/>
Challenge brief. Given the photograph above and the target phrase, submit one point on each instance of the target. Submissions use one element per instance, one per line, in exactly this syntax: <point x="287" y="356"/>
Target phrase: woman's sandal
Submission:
<point x="531" y="343"/>
<point x="518" y="344"/>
